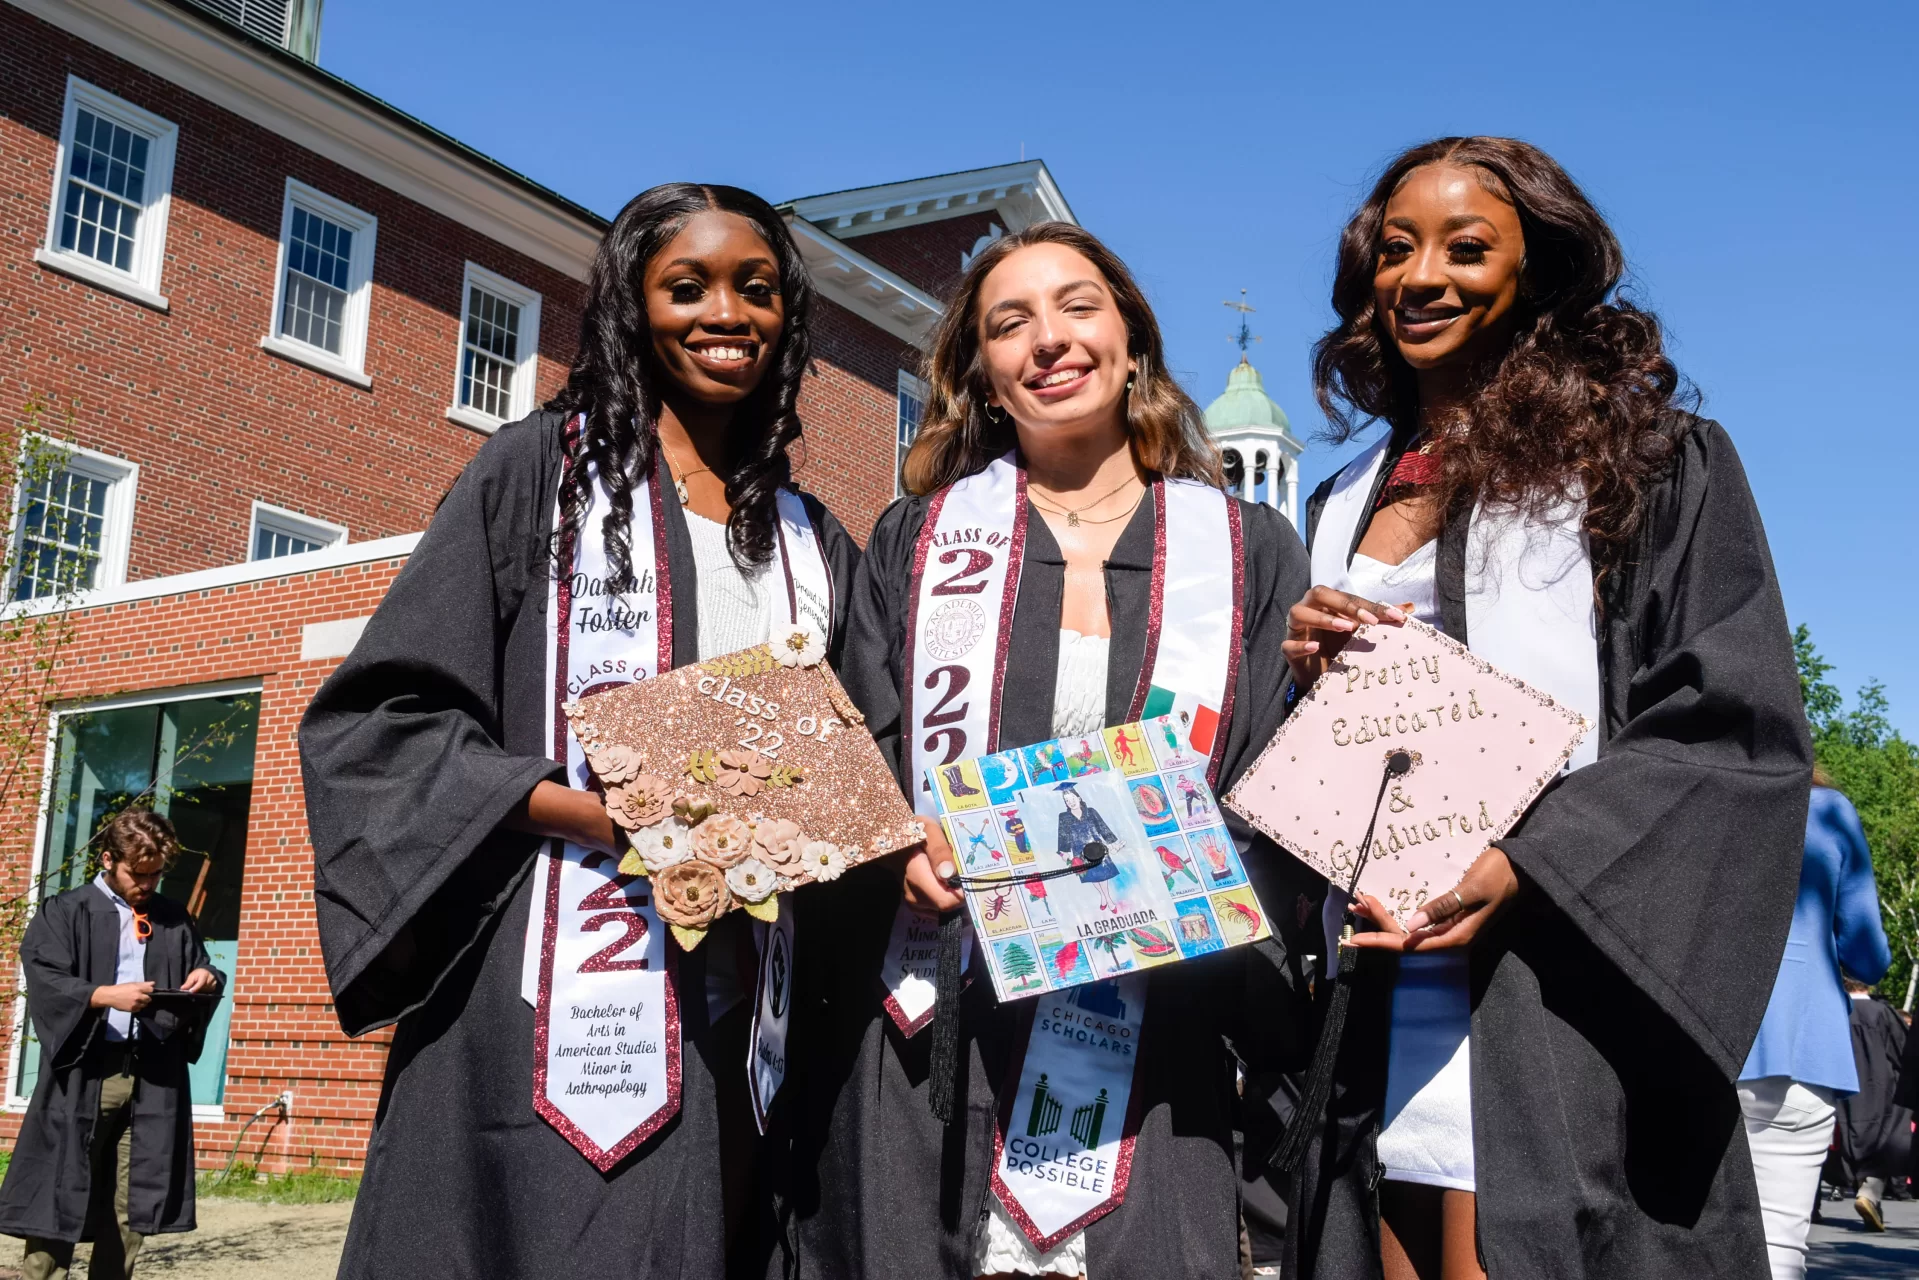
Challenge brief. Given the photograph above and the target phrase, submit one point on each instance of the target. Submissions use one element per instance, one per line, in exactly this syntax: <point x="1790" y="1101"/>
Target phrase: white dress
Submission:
<point x="1079" y="706"/>
<point x="1426" y="1133"/>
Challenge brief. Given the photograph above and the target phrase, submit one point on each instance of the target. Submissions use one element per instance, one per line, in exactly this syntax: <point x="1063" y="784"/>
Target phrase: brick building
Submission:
<point x="274" y="317"/>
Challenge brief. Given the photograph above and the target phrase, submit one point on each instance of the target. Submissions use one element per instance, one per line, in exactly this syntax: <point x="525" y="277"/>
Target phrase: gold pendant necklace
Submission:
<point x="681" y="477"/>
<point x="1072" y="513"/>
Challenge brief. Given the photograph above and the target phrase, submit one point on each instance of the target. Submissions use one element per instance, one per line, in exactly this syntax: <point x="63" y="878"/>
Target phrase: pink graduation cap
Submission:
<point x="1474" y="749"/>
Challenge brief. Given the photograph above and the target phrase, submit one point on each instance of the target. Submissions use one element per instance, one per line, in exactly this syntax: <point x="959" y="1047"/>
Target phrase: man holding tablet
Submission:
<point x="120" y="990"/>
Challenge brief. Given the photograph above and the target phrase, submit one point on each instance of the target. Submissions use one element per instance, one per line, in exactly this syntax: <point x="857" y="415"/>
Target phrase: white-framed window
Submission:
<point x="277" y="532"/>
<point x="73" y="520"/>
<point x="912" y="407"/>
<point x="112" y="185"/>
<point x="496" y="366"/>
<point x="324" y="284"/>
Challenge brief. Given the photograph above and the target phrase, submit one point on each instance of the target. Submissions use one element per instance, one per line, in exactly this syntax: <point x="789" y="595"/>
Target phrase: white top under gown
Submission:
<point x="1426" y="1133"/>
<point x="735" y="610"/>
<point x="1079" y="706"/>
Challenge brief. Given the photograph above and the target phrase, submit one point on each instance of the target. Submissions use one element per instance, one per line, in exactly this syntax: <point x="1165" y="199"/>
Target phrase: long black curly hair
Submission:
<point x="614" y="381"/>
<point x="1581" y="400"/>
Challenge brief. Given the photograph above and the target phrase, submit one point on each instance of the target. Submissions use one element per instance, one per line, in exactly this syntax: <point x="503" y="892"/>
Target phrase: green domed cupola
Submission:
<point x="1262" y="454"/>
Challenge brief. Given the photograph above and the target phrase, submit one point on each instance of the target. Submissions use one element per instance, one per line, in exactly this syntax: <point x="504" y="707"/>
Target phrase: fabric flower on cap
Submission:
<point x="615" y="764"/>
<point x="640" y="803"/>
<point x="781" y="844"/>
<point x="666" y="844"/>
<point x="722" y="840"/>
<point x="690" y="894"/>
<point x="752" y="880"/>
<point x="803" y="646"/>
<point x="823" y="860"/>
<point x="743" y="772"/>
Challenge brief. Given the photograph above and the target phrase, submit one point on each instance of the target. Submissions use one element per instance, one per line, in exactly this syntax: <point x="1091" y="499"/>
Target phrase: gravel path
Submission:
<point x="238" y="1240"/>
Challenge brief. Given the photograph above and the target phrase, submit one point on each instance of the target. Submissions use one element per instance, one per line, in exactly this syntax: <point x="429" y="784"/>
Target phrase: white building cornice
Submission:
<point x="864" y="287"/>
<point x="1018" y="194"/>
<point x="325" y="115"/>
<point x="398" y="547"/>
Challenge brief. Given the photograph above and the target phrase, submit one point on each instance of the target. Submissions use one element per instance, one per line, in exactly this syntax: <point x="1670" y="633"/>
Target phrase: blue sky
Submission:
<point x="1754" y="158"/>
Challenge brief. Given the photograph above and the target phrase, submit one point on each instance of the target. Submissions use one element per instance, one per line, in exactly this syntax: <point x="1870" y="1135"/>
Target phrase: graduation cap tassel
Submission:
<point x="1319" y="1078"/>
<point x="943" y="1073"/>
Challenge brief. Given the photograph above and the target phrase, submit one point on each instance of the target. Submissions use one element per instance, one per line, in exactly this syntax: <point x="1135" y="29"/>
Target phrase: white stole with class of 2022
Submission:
<point x="598" y="968"/>
<point x="1068" y="1119"/>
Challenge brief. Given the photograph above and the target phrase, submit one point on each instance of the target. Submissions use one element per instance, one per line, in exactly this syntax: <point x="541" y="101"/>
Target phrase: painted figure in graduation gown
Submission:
<point x="1615" y="998"/>
<point x="71" y="947"/>
<point x="419" y="751"/>
<point x="878" y="1187"/>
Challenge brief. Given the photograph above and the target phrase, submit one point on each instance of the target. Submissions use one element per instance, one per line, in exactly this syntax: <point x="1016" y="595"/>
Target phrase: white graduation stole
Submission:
<point x="1529" y="589"/>
<point x="1083" y="1042"/>
<point x="597" y="967"/>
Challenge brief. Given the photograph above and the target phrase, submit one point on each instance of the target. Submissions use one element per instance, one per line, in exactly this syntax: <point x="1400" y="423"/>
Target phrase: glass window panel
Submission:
<point x="61" y="535"/>
<point x="490" y="361"/>
<point x="270" y="544"/>
<point x="190" y="760"/>
<point x="105" y="192"/>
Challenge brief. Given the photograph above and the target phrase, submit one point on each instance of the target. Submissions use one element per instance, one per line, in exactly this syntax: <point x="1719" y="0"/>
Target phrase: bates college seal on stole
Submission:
<point x="953" y="629"/>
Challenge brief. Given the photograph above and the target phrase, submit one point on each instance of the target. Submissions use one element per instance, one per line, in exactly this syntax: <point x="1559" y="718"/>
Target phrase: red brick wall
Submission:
<point x="214" y="421"/>
<point x="284" y="1034"/>
<point x="850" y="408"/>
<point x="927" y="254"/>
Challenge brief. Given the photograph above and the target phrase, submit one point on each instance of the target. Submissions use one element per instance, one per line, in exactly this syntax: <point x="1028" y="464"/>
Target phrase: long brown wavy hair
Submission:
<point x="1581" y="401"/>
<point x="957" y="439"/>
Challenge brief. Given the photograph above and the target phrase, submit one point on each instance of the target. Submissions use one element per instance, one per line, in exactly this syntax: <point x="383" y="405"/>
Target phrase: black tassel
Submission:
<point x="1311" y="1111"/>
<point x="943" y="1073"/>
<point x="1319" y="1079"/>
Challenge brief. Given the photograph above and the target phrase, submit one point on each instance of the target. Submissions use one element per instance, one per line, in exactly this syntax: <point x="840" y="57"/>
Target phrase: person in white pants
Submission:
<point x="1802" y="1061"/>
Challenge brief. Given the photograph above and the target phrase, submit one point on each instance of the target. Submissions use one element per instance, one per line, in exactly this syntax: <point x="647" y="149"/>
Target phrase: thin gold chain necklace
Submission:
<point x="680" y="476"/>
<point x="1072" y="517"/>
<point x="1072" y="513"/>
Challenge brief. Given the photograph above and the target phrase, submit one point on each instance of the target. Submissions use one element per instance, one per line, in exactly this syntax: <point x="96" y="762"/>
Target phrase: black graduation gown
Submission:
<point x="71" y="947"/>
<point x="1615" y="1001"/>
<point x="1875" y="1127"/>
<point x="414" y="751"/>
<point x="878" y="1187"/>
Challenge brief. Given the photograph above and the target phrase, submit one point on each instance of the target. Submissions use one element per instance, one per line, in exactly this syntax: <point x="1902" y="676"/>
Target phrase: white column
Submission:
<point x="1292" y="493"/>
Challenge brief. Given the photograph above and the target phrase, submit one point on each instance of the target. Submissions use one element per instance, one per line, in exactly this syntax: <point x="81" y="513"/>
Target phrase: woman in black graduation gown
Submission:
<point x="1047" y="380"/>
<point x="430" y="771"/>
<point x="1613" y="954"/>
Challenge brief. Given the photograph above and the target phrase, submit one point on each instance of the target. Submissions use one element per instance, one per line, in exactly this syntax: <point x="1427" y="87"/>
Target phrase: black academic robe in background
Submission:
<point x="1875" y="1125"/>
<point x="877" y="1188"/>
<point x="414" y="751"/>
<point x="1616" y="999"/>
<point x="71" y="947"/>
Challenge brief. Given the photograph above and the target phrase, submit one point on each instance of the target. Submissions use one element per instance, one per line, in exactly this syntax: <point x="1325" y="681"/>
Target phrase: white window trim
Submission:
<point x="281" y="520"/>
<point x="142" y="283"/>
<point x="123" y="484"/>
<point x="526" y="375"/>
<point x="350" y="364"/>
<point x="16" y="1039"/>
<point x="915" y="386"/>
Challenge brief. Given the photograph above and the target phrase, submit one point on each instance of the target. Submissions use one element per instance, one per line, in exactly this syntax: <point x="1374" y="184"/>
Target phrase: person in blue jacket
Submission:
<point x="1802" y="1060"/>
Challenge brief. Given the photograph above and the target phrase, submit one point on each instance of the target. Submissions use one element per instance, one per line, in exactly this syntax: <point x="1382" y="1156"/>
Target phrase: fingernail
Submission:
<point x="1312" y="646"/>
<point x="1416" y="921"/>
<point x="946" y="870"/>
<point x="1366" y="617"/>
<point x="1395" y="615"/>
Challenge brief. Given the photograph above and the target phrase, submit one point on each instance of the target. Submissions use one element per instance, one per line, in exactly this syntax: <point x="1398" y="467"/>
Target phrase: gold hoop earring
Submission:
<point x="996" y="418"/>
